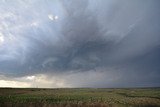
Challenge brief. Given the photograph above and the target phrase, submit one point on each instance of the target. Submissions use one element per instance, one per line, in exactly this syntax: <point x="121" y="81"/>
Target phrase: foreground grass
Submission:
<point x="80" y="97"/>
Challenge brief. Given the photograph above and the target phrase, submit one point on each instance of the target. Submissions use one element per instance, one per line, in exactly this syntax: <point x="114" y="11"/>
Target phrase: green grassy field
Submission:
<point x="79" y="97"/>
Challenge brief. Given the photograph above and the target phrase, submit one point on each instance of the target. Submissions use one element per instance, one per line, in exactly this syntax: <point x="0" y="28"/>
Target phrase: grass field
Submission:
<point x="79" y="97"/>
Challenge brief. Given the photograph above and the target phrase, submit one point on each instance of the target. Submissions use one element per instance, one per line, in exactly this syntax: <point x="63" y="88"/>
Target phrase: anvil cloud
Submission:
<point x="80" y="43"/>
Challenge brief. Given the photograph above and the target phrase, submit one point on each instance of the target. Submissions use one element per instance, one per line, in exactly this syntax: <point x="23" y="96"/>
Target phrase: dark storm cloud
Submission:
<point x="122" y="36"/>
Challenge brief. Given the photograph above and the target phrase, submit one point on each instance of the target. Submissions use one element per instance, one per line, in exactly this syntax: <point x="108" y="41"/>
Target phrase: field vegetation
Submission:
<point x="79" y="97"/>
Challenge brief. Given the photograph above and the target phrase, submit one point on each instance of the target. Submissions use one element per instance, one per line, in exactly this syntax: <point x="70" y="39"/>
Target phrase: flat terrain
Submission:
<point x="79" y="97"/>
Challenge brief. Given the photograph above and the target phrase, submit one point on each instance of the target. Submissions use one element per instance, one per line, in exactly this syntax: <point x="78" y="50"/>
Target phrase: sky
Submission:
<point x="79" y="43"/>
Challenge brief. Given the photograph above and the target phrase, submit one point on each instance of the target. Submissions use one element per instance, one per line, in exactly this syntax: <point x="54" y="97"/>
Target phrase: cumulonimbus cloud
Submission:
<point x="80" y="36"/>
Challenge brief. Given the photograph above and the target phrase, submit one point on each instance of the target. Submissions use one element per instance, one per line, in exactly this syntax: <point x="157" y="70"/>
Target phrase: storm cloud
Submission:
<point x="107" y="43"/>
